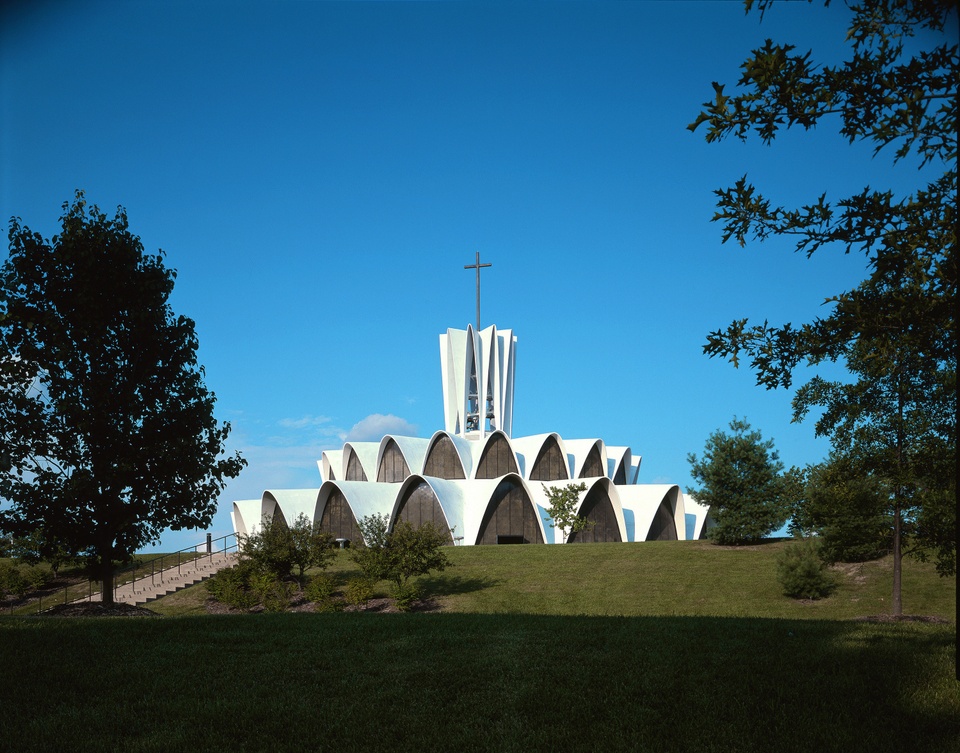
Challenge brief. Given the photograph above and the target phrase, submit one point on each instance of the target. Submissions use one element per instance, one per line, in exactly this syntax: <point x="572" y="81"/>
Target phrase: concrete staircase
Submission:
<point x="152" y="586"/>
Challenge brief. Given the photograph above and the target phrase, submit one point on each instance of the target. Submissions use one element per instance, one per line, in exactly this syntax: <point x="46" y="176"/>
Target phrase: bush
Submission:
<point x="37" y="577"/>
<point x="277" y="595"/>
<point x="802" y="573"/>
<point x="359" y="591"/>
<point x="231" y="586"/>
<point x="12" y="581"/>
<point x="278" y="549"/>
<point x="405" y="595"/>
<point x="321" y="590"/>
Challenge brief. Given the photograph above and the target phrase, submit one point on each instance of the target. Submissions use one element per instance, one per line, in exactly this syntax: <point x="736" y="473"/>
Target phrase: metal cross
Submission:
<point x="477" y="266"/>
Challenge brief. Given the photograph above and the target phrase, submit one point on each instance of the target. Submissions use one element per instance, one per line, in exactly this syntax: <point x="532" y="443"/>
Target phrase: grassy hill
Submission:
<point x="660" y="646"/>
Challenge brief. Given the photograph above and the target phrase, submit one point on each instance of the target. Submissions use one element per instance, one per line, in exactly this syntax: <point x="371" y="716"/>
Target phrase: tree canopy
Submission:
<point x="895" y="332"/>
<point x="563" y="509"/>
<point x="743" y="483"/>
<point x="106" y="425"/>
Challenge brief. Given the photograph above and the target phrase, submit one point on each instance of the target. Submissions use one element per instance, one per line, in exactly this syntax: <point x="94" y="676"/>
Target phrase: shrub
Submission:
<point x="37" y="577"/>
<point x="802" y="573"/>
<point x="278" y="549"/>
<point x="321" y="590"/>
<point x="405" y="595"/>
<point x="231" y="586"/>
<point x="359" y="591"/>
<point x="277" y="595"/>
<point x="12" y="581"/>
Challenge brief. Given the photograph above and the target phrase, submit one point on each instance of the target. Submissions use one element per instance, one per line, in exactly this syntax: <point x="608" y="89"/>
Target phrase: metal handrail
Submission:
<point x="63" y="595"/>
<point x="154" y="571"/>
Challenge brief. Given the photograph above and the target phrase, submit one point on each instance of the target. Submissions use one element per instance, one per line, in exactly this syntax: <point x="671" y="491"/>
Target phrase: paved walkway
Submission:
<point x="168" y="581"/>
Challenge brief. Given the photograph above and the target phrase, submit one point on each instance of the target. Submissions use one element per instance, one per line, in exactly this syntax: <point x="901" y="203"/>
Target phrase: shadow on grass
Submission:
<point x="451" y="585"/>
<point x="511" y="682"/>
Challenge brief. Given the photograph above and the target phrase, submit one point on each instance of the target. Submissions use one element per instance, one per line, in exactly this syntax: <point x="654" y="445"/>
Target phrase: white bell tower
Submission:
<point x="478" y="371"/>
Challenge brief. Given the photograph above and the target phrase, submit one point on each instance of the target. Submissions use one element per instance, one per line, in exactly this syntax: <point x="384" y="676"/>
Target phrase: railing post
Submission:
<point x="209" y="543"/>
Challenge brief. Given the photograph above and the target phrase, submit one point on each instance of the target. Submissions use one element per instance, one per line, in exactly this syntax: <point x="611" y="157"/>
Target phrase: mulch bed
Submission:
<point x="96" y="609"/>
<point x="375" y="606"/>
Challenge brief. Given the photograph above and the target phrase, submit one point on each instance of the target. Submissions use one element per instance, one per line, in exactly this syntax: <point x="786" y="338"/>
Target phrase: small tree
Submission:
<point x="277" y="548"/>
<point x="400" y="554"/>
<point x="270" y="548"/>
<point x="743" y="484"/>
<point x="310" y="546"/>
<point x="369" y="554"/>
<point x="564" y="501"/>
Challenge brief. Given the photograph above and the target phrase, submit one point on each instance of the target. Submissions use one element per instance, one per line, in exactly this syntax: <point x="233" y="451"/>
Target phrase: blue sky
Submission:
<point x="320" y="173"/>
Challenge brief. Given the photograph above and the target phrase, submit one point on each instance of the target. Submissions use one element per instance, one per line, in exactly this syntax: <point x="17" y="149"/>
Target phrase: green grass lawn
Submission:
<point x="660" y="647"/>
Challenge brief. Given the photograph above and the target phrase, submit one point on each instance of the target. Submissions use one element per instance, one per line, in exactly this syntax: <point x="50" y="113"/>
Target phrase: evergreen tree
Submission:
<point x="743" y="484"/>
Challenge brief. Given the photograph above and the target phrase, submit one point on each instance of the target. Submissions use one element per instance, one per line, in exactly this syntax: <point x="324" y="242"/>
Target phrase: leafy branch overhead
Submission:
<point x="883" y="95"/>
<point x="895" y="332"/>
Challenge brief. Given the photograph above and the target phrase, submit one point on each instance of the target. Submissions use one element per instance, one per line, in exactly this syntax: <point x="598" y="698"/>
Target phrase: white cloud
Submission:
<point x="376" y="425"/>
<point x="306" y="422"/>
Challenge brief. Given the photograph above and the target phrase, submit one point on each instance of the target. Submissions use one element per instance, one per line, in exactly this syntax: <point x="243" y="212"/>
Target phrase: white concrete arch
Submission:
<point x="612" y="490"/>
<point x="331" y="465"/>
<point x="291" y="502"/>
<point x="363" y="498"/>
<point x="478" y="495"/>
<point x="449" y="494"/>
<point x="367" y="454"/>
<point x="528" y="449"/>
<point x="578" y="451"/>
<point x="619" y="461"/>
<point x="412" y="449"/>
<point x="461" y="445"/>
<point x="703" y="520"/>
<point x="479" y="449"/>
<point x="643" y="501"/>
<point x="245" y="515"/>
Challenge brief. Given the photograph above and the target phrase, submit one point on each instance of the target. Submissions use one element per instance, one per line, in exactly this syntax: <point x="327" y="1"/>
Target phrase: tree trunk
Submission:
<point x="897" y="556"/>
<point x="106" y="578"/>
<point x="897" y="606"/>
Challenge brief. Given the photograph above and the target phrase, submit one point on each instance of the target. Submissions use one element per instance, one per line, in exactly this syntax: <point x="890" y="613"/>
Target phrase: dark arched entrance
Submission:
<point x="510" y="517"/>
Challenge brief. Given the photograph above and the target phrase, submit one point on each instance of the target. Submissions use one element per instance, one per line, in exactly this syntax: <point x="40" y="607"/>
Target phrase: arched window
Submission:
<point x="338" y="518"/>
<point x="510" y="517"/>
<point x="420" y="505"/>
<point x="593" y="466"/>
<point x="355" y="470"/>
<point x="550" y="464"/>
<point x="664" y="527"/>
<point x="598" y="509"/>
<point x="393" y="467"/>
<point x="443" y="460"/>
<point x="497" y="459"/>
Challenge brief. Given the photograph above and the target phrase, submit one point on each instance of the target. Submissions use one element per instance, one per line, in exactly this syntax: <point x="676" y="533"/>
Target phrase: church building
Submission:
<point x="476" y="480"/>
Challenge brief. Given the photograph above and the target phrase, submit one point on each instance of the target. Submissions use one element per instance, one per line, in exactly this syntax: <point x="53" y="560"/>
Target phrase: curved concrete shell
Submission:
<point x="475" y="479"/>
<point x="484" y="491"/>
